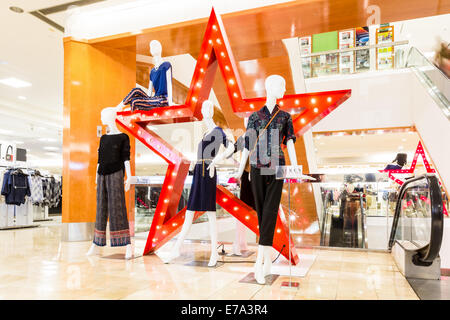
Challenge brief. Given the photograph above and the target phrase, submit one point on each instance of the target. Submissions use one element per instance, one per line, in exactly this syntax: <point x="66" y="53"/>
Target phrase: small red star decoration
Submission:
<point x="419" y="152"/>
<point x="215" y="52"/>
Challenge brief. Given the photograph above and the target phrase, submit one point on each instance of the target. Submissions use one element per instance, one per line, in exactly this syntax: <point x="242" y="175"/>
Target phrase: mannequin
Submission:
<point x="267" y="190"/>
<point x="203" y="192"/>
<point x="246" y="195"/>
<point x="121" y="237"/>
<point x="159" y="93"/>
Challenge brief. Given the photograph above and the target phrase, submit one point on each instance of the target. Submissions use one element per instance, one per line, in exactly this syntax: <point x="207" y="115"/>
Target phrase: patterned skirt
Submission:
<point x="139" y="100"/>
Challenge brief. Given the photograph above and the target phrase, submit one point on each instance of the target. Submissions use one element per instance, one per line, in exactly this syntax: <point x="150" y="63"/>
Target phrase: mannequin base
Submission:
<point x="250" y="278"/>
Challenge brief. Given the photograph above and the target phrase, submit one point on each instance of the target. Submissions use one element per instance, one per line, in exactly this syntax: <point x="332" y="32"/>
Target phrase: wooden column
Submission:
<point x="95" y="77"/>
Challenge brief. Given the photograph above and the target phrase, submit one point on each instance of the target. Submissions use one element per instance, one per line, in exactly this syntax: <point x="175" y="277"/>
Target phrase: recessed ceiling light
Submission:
<point x="51" y="153"/>
<point x="18" y="142"/>
<point x="51" y="148"/>
<point x="16" y="9"/>
<point x="47" y="139"/>
<point x="15" y="83"/>
<point x="22" y="98"/>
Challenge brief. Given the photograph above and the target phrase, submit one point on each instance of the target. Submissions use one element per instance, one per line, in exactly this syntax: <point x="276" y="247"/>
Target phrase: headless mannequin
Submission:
<point x="108" y="118"/>
<point x="156" y="51"/>
<point x="275" y="89"/>
<point x="240" y="242"/>
<point x="207" y="112"/>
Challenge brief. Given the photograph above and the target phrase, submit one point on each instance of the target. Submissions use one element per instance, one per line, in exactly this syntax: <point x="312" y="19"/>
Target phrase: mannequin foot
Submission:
<point x="259" y="276"/>
<point x="267" y="269"/>
<point x="175" y="253"/>
<point x="130" y="252"/>
<point x="213" y="260"/>
<point x="236" y="250"/>
<point x="93" y="250"/>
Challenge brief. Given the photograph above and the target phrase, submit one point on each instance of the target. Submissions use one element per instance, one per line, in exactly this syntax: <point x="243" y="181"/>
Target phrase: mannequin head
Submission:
<point x="275" y="86"/>
<point x="400" y="159"/>
<point x="108" y="116"/>
<point x="207" y="109"/>
<point x="155" y="48"/>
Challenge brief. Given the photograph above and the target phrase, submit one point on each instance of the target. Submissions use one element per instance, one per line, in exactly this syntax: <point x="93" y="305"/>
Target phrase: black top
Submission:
<point x="114" y="149"/>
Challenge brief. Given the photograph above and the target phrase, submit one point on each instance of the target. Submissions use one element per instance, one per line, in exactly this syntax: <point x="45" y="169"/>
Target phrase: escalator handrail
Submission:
<point x="429" y="252"/>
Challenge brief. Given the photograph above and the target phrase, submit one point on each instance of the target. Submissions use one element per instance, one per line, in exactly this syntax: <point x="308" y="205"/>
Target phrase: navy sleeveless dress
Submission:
<point x="202" y="196"/>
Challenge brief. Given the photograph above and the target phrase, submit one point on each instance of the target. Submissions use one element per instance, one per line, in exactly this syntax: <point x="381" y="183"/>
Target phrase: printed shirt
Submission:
<point x="158" y="77"/>
<point x="268" y="152"/>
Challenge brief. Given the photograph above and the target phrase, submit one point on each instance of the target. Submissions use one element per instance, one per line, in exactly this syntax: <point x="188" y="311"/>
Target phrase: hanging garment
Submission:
<point x="246" y="193"/>
<point x="37" y="190"/>
<point x="202" y="196"/>
<point x="15" y="187"/>
<point x="111" y="204"/>
<point x="140" y="100"/>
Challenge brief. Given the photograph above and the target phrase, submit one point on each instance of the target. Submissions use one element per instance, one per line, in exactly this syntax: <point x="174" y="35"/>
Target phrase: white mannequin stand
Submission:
<point x="207" y="112"/>
<point x="275" y="89"/>
<point x="156" y="51"/>
<point x="108" y="117"/>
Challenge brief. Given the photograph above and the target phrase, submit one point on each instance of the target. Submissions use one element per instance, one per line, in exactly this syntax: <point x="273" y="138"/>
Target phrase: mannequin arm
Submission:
<point x="96" y="174"/>
<point x="129" y="176"/>
<point x="228" y="152"/>
<point x="169" y="86"/>
<point x="291" y="152"/>
<point x="244" y="157"/>
<point x="150" y="88"/>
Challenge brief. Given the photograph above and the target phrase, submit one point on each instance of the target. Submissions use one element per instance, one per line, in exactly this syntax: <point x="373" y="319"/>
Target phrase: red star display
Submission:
<point x="419" y="152"/>
<point x="215" y="51"/>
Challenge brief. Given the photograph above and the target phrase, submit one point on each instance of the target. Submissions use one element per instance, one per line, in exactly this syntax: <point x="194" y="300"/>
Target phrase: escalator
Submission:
<point x="418" y="222"/>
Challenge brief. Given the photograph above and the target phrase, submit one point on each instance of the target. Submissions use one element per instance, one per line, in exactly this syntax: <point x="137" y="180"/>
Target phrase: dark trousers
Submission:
<point x="111" y="202"/>
<point x="267" y="193"/>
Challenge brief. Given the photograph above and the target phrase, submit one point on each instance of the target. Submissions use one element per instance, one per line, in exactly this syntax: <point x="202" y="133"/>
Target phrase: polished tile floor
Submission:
<point x="35" y="264"/>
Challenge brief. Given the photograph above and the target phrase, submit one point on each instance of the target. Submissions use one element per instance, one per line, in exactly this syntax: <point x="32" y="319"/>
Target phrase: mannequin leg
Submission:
<point x="129" y="252"/>
<point x="258" y="269"/>
<point x="237" y="239"/>
<point x="213" y="231"/>
<point x="93" y="250"/>
<point x="267" y="260"/>
<point x="188" y="218"/>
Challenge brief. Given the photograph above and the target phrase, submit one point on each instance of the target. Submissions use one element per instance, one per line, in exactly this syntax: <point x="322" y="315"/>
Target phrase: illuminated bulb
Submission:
<point x="180" y="112"/>
<point x="166" y="200"/>
<point x="174" y="174"/>
<point x="297" y="101"/>
<point x="194" y="99"/>
<point x="155" y="114"/>
<point x="316" y="110"/>
<point x="206" y="56"/>
<point x="164" y="232"/>
<point x="162" y="213"/>
<point x="158" y="227"/>
<point x="198" y="84"/>
<point x="218" y="41"/>
<point x="235" y="95"/>
<point x="235" y="208"/>
<point x="313" y="100"/>
<point x="329" y="99"/>
<point x="222" y="54"/>
<point x="281" y="103"/>
<point x="231" y="81"/>
<point x="227" y="68"/>
<point x="174" y="224"/>
<point x="247" y="217"/>
<point x="170" y="187"/>
<point x="252" y="106"/>
<point x="278" y="230"/>
<point x="214" y="27"/>
<point x="139" y="132"/>
<point x="302" y="120"/>
<point x="202" y="70"/>
<point x="154" y="239"/>
<point x="224" y="199"/>
<point x="210" y="41"/>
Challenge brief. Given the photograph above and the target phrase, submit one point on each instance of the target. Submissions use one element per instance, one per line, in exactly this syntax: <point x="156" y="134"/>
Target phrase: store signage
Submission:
<point x="7" y="153"/>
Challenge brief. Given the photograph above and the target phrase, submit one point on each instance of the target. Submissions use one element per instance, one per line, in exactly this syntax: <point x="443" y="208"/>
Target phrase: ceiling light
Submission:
<point x="22" y="98"/>
<point x="51" y="148"/>
<point x="51" y="154"/>
<point x="18" y="142"/>
<point x="7" y="132"/>
<point x="16" y="9"/>
<point x="15" y="83"/>
<point x="47" y="139"/>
